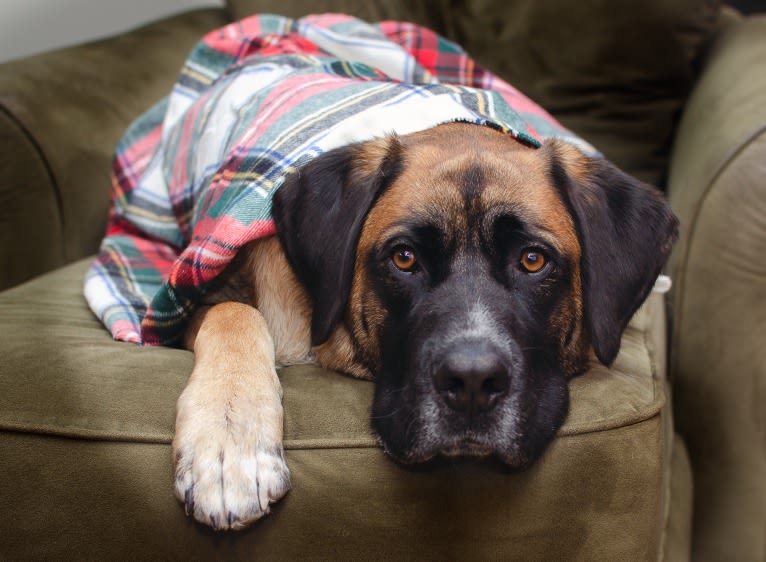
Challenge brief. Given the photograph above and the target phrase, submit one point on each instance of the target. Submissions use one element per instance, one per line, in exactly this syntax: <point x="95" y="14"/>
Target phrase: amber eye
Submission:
<point x="404" y="258"/>
<point x="532" y="260"/>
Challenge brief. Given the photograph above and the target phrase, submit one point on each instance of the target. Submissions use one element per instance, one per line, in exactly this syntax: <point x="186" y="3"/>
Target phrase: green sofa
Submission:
<point x="663" y="456"/>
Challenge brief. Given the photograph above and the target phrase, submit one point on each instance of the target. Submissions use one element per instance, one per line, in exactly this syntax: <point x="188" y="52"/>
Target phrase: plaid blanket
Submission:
<point x="194" y="176"/>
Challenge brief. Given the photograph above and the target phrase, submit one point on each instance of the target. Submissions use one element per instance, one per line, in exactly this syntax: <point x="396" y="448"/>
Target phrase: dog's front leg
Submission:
<point x="229" y="460"/>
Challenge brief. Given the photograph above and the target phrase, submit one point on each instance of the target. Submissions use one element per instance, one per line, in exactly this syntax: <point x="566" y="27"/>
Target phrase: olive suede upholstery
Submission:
<point x="88" y="436"/>
<point x="62" y="114"/>
<point x="718" y="188"/>
<point x="86" y="422"/>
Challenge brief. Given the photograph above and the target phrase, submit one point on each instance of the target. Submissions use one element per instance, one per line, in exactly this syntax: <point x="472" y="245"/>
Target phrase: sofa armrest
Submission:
<point x="717" y="186"/>
<point x="61" y="116"/>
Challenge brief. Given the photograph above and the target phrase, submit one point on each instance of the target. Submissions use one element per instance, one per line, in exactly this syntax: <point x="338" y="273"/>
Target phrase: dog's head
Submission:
<point x="474" y="274"/>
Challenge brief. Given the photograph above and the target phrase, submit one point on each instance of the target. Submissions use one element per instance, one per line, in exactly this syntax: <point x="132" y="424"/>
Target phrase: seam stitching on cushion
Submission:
<point x="76" y="432"/>
<point x="85" y="434"/>
<point x="615" y="423"/>
<point x="317" y="444"/>
<point x="628" y="423"/>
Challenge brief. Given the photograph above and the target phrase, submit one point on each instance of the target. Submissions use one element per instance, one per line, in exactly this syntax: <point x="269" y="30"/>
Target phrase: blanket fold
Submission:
<point x="194" y="176"/>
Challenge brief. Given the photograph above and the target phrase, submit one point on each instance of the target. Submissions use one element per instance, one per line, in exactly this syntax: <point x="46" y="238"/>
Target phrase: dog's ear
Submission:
<point x="627" y="230"/>
<point x="319" y="212"/>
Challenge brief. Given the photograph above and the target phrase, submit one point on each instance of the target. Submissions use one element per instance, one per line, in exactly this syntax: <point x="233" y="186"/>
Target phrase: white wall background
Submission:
<point x="33" y="26"/>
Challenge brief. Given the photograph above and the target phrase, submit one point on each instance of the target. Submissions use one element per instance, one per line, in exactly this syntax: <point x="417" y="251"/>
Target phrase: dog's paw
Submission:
<point x="229" y="486"/>
<point x="227" y="473"/>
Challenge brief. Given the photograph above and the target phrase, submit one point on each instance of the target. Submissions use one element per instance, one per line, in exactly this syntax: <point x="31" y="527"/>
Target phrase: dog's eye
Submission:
<point x="403" y="257"/>
<point x="532" y="261"/>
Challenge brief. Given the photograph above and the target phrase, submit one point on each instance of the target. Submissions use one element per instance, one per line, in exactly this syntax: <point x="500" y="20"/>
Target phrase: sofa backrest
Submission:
<point x="617" y="73"/>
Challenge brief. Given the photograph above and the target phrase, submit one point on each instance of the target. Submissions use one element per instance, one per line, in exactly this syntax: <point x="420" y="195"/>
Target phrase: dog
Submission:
<point x="367" y="198"/>
<point x="469" y="275"/>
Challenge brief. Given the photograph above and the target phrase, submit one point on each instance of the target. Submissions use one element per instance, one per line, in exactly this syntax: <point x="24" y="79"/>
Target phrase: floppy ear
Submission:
<point x="319" y="212"/>
<point x="626" y="229"/>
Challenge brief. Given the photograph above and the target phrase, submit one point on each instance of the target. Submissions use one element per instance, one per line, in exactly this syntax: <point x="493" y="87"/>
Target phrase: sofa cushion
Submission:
<point x="616" y="73"/>
<point x="86" y="425"/>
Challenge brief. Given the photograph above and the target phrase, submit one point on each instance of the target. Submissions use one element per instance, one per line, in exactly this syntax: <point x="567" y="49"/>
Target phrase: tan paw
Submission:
<point x="229" y="461"/>
<point x="228" y="486"/>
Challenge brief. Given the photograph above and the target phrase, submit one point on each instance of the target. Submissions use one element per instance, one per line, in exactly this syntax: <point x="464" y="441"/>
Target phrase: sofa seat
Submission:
<point x="86" y="425"/>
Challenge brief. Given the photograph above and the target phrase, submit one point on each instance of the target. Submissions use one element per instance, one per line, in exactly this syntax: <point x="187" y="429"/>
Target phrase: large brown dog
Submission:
<point x="468" y="274"/>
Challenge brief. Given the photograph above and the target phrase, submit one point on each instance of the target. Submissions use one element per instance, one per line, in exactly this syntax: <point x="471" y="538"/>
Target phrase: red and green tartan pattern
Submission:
<point x="193" y="177"/>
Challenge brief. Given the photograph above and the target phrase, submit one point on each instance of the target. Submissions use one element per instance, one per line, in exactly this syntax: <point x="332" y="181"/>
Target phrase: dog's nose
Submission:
<point x="472" y="378"/>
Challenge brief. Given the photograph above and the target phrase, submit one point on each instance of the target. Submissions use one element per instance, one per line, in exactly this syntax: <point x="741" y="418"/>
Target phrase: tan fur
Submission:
<point x="228" y="441"/>
<point x="282" y="301"/>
